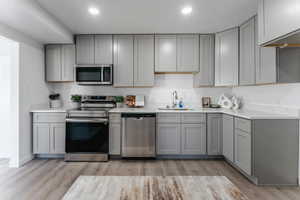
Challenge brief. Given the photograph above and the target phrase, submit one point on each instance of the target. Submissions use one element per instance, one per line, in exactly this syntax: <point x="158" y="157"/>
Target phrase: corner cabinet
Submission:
<point x="60" y="63"/>
<point x="49" y="133"/>
<point x="143" y="61"/>
<point x="227" y="58"/>
<point x="206" y="75"/>
<point x="123" y="60"/>
<point x="228" y="137"/>
<point x="214" y="134"/>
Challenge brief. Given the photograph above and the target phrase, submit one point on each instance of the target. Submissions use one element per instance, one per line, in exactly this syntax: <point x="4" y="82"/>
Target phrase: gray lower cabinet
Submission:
<point x="123" y="60"/>
<point x="115" y="134"/>
<point x="49" y="133"/>
<point x="168" y="139"/>
<point x="214" y="134"/>
<point x="228" y="137"/>
<point x="243" y="150"/>
<point x="60" y="63"/>
<point x="193" y="139"/>
<point x="247" y="53"/>
<point x="227" y="58"/>
<point x="143" y="61"/>
<point x="206" y="75"/>
<point x="49" y="138"/>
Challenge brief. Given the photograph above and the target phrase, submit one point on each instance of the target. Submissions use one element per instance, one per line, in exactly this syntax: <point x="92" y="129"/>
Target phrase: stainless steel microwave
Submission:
<point x="94" y="75"/>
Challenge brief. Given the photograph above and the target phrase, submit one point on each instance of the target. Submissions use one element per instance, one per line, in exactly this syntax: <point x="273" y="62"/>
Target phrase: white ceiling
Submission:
<point x="150" y="16"/>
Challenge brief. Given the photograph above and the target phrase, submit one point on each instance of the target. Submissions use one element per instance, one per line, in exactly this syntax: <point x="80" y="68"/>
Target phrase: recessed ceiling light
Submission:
<point x="94" y="11"/>
<point x="187" y="10"/>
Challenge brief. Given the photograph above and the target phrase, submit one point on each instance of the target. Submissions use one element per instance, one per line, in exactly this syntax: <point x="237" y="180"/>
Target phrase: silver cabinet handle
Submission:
<point x="80" y="120"/>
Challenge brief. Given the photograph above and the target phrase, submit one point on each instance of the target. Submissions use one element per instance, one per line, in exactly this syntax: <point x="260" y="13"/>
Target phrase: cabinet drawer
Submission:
<point x="115" y="118"/>
<point x="243" y="124"/>
<point x="193" y="118"/>
<point x="168" y="118"/>
<point x="49" y="117"/>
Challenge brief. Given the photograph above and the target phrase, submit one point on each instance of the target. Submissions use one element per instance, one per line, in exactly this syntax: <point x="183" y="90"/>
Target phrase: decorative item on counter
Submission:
<point x="225" y="101"/>
<point x="215" y="106"/>
<point x="135" y="101"/>
<point x="55" y="101"/>
<point x="120" y="101"/>
<point x="206" y="102"/>
<point x="236" y="103"/>
<point x="76" y="100"/>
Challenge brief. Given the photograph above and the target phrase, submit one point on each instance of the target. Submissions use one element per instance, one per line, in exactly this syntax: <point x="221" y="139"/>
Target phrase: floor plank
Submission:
<point x="50" y="179"/>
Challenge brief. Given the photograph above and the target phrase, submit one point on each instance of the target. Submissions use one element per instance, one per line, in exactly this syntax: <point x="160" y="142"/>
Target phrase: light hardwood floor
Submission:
<point x="50" y="179"/>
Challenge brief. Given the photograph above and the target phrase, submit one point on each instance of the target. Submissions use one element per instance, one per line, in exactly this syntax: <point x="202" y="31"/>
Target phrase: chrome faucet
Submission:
<point x="174" y="99"/>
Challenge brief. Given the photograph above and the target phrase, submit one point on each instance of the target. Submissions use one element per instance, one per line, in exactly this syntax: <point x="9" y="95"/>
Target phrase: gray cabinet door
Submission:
<point x="123" y="61"/>
<point x="85" y="49"/>
<point x="243" y="150"/>
<point x="188" y="53"/>
<point x="214" y="134"/>
<point x="103" y="49"/>
<point x="41" y="138"/>
<point x="68" y="62"/>
<point x="114" y="139"/>
<point x="143" y="60"/>
<point x="53" y="63"/>
<point x="247" y="53"/>
<point x="228" y="137"/>
<point x="277" y="18"/>
<point x="266" y="65"/>
<point x="58" y="138"/>
<point x="165" y="53"/>
<point x="207" y="62"/>
<point x="227" y="58"/>
<point x="168" y="139"/>
<point x="193" y="139"/>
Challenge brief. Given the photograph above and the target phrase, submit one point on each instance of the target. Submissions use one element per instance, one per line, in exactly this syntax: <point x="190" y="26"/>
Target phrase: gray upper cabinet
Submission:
<point x="188" y="53"/>
<point x="193" y="139"/>
<point x="207" y="62"/>
<point x="277" y="18"/>
<point x="247" y="53"/>
<point x="60" y="62"/>
<point x="266" y="65"/>
<point x="85" y="49"/>
<point x="165" y="53"/>
<point x="123" y="61"/>
<point x="143" y="60"/>
<point x="227" y="58"/>
<point x="214" y="134"/>
<point x="228" y="137"/>
<point x="103" y="49"/>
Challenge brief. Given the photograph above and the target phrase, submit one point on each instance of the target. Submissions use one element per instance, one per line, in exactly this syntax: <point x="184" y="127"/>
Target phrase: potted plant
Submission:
<point x="54" y="101"/>
<point x="76" y="100"/>
<point x="119" y="100"/>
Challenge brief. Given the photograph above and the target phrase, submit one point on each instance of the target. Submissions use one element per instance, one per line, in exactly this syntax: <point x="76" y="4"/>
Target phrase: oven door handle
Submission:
<point x="79" y="120"/>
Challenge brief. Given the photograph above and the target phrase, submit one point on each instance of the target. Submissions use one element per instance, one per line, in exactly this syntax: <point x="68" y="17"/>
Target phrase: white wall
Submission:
<point x="159" y="95"/>
<point x="278" y="98"/>
<point x="29" y="89"/>
<point x="8" y="54"/>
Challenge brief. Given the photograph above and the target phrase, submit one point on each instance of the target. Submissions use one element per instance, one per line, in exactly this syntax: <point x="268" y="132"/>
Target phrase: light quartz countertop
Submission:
<point x="248" y="114"/>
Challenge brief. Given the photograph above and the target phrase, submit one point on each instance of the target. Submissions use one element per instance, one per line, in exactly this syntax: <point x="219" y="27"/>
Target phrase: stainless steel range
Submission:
<point x="87" y="132"/>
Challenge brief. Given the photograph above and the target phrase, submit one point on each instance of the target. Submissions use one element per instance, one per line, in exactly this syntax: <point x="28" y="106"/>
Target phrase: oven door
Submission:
<point x="87" y="136"/>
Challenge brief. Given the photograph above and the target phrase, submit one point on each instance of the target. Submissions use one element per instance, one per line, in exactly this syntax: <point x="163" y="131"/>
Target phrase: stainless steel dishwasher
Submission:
<point x="138" y="135"/>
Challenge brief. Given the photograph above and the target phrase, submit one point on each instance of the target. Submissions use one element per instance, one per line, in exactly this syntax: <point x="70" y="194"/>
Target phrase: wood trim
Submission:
<point x="175" y="72"/>
<point x="283" y="45"/>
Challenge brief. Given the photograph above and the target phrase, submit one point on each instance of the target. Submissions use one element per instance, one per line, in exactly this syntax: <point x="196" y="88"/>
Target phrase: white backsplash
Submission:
<point x="159" y="95"/>
<point x="280" y="98"/>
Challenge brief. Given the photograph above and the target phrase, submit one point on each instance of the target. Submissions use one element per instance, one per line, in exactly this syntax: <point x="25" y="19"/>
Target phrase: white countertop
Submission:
<point x="46" y="109"/>
<point x="248" y="114"/>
